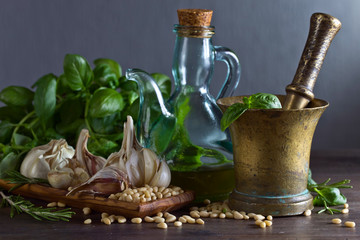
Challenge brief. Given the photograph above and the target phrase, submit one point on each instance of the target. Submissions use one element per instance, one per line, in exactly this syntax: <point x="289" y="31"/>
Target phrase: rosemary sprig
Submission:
<point x="14" y="177"/>
<point x="19" y="205"/>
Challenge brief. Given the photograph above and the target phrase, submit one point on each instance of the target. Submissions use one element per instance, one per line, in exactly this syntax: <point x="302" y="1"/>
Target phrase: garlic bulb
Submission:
<point x="93" y="163"/>
<point x="41" y="159"/>
<point x="54" y="162"/>
<point x="141" y="165"/>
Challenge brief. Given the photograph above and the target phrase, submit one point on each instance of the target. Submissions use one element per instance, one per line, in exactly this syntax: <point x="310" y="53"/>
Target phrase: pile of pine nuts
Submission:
<point x="146" y="194"/>
<point x="56" y="204"/>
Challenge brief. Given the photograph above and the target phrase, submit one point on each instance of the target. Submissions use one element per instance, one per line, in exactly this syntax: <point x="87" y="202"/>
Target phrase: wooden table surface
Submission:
<point x="336" y="165"/>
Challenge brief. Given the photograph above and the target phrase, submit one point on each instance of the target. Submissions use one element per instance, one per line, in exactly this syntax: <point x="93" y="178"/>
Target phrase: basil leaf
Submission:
<point x="263" y="101"/>
<point x="16" y="96"/>
<point x="332" y="196"/>
<point x="105" y="76"/>
<point x="12" y="114"/>
<point x="231" y="114"/>
<point x="71" y="110"/>
<point x="21" y="140"/>
<point x="105" y="102"/>
<point x="104" y="125"/>
<point x="6" y="129"/>
<point x="62" y="85"/>
<point x="164" y="84"/>
<point x="127" y="85"/>
<point x="102" y="146"/>
<point x="114" y="66"/>
<point x="45" y="97"/>
<point x="10" y="162"/>
<point x="77" y="72"/>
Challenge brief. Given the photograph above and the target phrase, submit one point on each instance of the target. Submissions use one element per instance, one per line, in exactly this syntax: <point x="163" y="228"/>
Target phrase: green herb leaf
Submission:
<point x="78" y="72"/>
<point x="332" y="196"/>
<point x="104" y="76"/>
<point x="17" y="96"/>
<point x="105" y="102"/>
<point x="12" y="114"/>
<point x="6" y="129"/>
<point x="10" y="162"/>
<point x="45" y="97"/>
<point x="231" y="114"/>
<point x="263" y="101"/>
<point x="114" y="66"/>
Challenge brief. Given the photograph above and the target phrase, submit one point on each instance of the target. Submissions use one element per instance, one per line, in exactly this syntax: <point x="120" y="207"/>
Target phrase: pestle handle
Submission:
<point x="323" y="29"/>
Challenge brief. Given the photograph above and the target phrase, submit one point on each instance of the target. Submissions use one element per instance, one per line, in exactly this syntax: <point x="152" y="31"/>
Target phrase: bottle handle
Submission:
<point x="234" y="70"/>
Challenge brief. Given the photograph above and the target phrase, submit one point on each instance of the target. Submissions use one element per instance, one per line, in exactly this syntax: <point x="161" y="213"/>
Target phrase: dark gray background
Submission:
<point x="267" y="35"/>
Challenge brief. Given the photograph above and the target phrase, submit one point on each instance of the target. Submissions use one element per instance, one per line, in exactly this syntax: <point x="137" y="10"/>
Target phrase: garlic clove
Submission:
<point x="151" y="163"/>
<point x="106" y="181"/>
<point x="92" y="163"/>
<point x="162" y="178"/>
<point x="60" y="178"/>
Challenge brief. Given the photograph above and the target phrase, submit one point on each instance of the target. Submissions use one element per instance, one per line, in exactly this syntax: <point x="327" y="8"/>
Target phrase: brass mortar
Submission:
<point x="271" y="150"/>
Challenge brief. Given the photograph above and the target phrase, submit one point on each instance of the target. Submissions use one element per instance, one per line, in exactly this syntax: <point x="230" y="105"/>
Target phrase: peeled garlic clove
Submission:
<point x="93" y="163"/>
<point x="60" y="178"/>
<point x="162" y="177"/>
<point x="106" y="181"/>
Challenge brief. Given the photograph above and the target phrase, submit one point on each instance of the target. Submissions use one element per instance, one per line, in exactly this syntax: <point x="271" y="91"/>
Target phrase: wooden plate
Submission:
<point x="101" y="204"/>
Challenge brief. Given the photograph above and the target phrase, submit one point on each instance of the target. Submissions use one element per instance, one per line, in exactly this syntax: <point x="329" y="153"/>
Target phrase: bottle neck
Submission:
<point x="193" y="61"/>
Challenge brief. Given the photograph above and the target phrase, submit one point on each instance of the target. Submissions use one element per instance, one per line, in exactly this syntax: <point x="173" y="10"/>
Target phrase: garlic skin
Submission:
<point x="41" y="159"/>
<point x="141" y="165"/>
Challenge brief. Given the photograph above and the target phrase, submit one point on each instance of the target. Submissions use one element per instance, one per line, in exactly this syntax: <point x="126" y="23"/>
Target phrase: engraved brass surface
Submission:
<point x="323" y="29"/>
<point x="271" y="157"/>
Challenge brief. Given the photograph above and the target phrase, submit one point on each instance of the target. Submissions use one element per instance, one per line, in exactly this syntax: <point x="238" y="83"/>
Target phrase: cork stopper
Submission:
<point x="194" y="17"/>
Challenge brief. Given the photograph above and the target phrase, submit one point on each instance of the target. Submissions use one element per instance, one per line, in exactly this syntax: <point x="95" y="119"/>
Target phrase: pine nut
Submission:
<point x="349" y="224"/>
<point x="112" y="196"/>
<point x="136" y="220"/>
<point x="204" y="214"/>
<point x="262" y="225"/>
<point x="345" y="210"/>
<point x="242" y="213"/>
<point x="222" y="215"/>
<point x="147" y="194"/>
<point x="159" y="219"/>
<point x="162" y="225"/>
<point x="170" y="218"/>
<point x="207" y="201"/>
<point x="182" y="219"/>
<point x="177" y="224"/>
<point x="346" y="205"/>
<point x="195" y="214"/>
<point x="129" y="198"/>
<point x="229" y="215"/>
<point x="52" y="204"/>
<point x="165" y="191"/>
<point x="200" y="221"/>
<point x="167" y="195"/>
<point x="190" y="220"/>
<point x="307" y="212"/>
<point x="149" y="219"/>
<point x="104" y="215"/>
<point x="259" y="217"/>
<point x="86" y="211"/>
<point x="270" y="218"/>
<point x="246" y="217"/>
<point x="238" y="215"/>
<point x="268" y="223"/>
<point x="258" y="222"/>
<point x="106" y="220"/>
<point x="121" y="219"/>
<point x="87" y="221"/>
<point x="112" y="218"/>
<point x="214" y="215"/>
<point x="336" y="220"/>
<point x="61" y="204"/>
<point x="160" y="214"/>
<point x="251" y="215"/>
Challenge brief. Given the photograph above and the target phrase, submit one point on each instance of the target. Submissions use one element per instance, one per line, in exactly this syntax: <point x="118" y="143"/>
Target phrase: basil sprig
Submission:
<point x="255" y="101"/>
